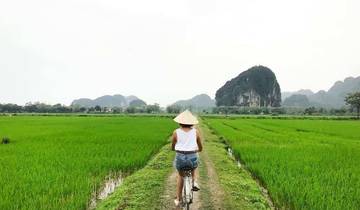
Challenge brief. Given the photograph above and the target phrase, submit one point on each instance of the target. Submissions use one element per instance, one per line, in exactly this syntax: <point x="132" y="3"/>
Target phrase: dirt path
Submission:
<point x="211" y="194"/>
<point x="170" y="194"/>
<point x="214" y="193"/>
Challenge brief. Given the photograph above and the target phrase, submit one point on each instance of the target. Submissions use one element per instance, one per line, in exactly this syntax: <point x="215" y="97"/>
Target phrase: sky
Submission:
<point x="163" y="50"/>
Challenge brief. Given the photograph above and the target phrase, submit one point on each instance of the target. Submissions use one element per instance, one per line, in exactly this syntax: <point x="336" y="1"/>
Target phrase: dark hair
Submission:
<point x="185" y="125"/>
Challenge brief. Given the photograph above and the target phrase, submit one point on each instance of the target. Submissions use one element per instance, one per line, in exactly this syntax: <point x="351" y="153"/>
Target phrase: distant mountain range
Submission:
<point x="306" y="92"/>
<point x="333" y="98"/>
<point x="108" y="101"/>
<point x="199" y="101"/>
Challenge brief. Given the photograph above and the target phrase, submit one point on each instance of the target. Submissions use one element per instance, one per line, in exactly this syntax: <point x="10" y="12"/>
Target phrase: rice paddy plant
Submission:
<point x="58" y="162"/>
<point x="305" y="164"/>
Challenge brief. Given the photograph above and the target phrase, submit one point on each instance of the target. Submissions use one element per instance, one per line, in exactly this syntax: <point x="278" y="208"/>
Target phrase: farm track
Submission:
<point x="170" y="194"/>
<point x="211" y="194"/>
<point x="223" y="184"/>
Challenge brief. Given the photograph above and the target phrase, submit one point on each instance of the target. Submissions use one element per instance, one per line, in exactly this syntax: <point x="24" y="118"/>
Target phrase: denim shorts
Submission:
<point x="186" y="161"/>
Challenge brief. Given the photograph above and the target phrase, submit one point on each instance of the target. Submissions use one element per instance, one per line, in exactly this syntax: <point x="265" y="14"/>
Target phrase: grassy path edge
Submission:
<point x="142" y="189"/>
<point x="241" y="190"/>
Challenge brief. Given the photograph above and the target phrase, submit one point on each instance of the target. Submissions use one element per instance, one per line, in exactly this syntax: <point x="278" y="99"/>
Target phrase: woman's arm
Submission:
<point x="174" y="140"/>
<point x="198" y="141"/>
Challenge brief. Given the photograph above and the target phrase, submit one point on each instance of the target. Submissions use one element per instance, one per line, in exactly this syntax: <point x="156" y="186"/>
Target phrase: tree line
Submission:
<point x="352" y="100"/>
<point x="60" y="108"/>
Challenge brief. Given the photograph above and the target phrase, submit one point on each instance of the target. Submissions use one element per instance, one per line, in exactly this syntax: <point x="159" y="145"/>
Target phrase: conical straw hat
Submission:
<point x="186" y="118"/>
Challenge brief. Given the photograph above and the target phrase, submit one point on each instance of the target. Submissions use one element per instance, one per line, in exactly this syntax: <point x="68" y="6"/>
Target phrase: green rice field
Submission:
<point x="305" y="164"/>
<point x="58" y="162"/>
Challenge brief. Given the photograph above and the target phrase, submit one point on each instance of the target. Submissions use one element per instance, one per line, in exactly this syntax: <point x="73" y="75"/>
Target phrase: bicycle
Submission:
<point x="188" y="196"/>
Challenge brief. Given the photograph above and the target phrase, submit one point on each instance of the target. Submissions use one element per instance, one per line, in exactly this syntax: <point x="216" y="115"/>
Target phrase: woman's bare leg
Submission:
<point x="193" y="175"/>
<point x="180" y="183"/>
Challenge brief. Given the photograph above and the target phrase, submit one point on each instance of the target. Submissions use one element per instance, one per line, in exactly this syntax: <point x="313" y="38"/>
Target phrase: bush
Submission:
<point x="5" y="140"/>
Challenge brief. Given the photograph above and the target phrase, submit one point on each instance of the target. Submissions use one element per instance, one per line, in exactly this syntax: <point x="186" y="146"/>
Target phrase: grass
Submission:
<point x="241" y="190"/>
<point x="305" y="164"/>
<point x="282" y="116"/>
<point x="142" y="190"/>
<point x="59" y="162"/>
<point x="205" y="194"/>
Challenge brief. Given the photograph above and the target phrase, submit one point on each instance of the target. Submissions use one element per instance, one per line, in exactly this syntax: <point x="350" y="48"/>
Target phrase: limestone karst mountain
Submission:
<point x="255" y="87"/>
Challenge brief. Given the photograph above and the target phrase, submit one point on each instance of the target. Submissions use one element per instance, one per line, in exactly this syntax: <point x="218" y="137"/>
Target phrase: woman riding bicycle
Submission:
<point x="187" y="143"/>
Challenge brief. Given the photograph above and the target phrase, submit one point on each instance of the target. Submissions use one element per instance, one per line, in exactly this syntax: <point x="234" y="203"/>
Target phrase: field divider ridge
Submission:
<point x="243" y="189"/>
<point x="143" y="188"/>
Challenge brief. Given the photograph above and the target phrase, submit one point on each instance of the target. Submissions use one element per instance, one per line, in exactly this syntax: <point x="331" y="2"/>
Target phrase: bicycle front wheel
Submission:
<point x="187" y="206"/>
<point x="188" y="189"/>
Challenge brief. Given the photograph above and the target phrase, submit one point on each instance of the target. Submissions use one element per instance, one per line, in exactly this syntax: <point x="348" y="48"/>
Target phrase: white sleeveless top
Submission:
<point x="186" y="141"/>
